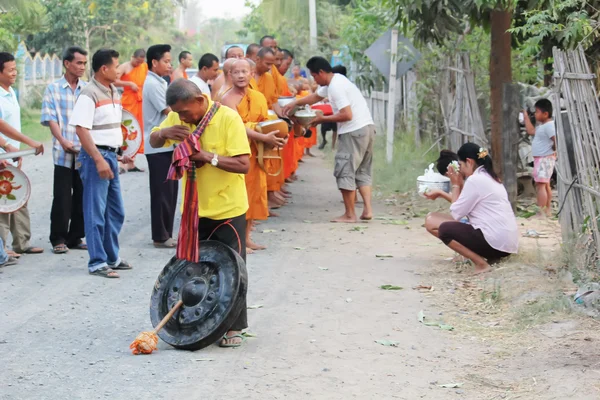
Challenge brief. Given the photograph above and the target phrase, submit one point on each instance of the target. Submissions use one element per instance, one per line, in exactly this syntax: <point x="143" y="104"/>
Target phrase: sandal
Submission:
<point x="123" y="265"/>
<point x="60" y="249"/>
<point x="136" y="169"/>
<point x="13" y="254"/>
<point x="106" y="272"/>
<point x="31" y="250"/>
<point x="225" y="337"/>
<point x="80" y="246"/>
<point x="122" y="170"/>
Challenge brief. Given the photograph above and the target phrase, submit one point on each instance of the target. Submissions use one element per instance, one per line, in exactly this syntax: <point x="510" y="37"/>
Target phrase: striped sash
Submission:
<point x="187" y="241"/>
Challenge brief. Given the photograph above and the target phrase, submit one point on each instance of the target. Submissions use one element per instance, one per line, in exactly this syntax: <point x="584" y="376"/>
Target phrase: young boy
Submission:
<point x="543" y="150"/>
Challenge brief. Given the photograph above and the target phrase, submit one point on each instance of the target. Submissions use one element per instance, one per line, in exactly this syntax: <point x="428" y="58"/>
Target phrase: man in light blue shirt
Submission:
<point x="17" y="223"/>
<point x="66" y="216"/>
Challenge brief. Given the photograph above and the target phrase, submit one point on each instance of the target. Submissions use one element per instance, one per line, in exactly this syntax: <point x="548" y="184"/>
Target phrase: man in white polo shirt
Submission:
<point x="97" y="119"/>
<point x="356" y="134"/>
<point x="208" y="70"/>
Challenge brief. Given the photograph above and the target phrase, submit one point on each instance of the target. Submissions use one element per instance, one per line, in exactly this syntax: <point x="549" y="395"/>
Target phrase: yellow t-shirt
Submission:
<point x="221" y="194"/>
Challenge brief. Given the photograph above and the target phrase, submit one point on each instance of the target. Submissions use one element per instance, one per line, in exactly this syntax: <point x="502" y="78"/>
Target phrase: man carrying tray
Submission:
<point x="17" y="223"/>
<point x="211" y="158"/>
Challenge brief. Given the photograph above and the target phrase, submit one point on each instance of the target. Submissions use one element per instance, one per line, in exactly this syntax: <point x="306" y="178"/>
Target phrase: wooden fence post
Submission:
<point x="511" y="131"/>
<point x="391" y="111"/>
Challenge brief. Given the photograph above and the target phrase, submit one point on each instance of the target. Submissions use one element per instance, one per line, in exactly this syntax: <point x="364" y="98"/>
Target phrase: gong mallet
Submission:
<point x="145" y="342"/>
<point x="192" y="293"/>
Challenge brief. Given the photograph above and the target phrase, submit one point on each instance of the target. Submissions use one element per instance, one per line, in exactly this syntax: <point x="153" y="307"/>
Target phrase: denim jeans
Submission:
<point x="3" y="255"/>
<point x="103" y="211"/>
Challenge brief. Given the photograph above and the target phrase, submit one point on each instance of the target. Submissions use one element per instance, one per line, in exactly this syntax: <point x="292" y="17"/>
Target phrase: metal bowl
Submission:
<point x="423" y="185"/>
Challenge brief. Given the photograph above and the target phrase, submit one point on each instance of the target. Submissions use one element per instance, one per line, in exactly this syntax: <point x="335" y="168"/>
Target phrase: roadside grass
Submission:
<point x="399" y="176"/>
<point x="30" y="125"/>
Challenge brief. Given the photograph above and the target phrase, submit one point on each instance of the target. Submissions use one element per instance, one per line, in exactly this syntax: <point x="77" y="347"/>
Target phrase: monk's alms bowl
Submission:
<point x="267" y="127"/>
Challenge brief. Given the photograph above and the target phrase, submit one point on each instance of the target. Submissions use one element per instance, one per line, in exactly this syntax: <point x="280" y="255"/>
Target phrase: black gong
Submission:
<point x="213" y="292"/>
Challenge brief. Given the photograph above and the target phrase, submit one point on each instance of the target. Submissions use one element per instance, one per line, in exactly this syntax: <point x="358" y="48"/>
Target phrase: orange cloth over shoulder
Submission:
<point x="253" y="109"/>
<point x="132" y="101"/>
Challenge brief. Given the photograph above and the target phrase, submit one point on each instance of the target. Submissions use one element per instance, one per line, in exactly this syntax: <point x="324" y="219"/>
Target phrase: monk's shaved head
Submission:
<point x="252" y="50"/>
<point x="234" y="52"/>
<point x="265" y="51"/>
<point x="240" y="73"/>
<point x="228" y="64"/>
<point x="268" y="41"/>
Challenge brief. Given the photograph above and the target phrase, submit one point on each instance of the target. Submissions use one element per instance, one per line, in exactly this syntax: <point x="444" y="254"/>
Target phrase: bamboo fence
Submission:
<point x="578" y="145"/>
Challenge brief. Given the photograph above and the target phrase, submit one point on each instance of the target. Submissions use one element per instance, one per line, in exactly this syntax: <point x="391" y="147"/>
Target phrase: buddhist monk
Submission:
<point x="185" y="61"/>
<point x="252" y="52"/>
<point x="227" y="84"/>
<point x="290" y="164"/>
<point x="233" y="52"/>
<point x="298" y="81"/>
<point x="131" y="77"/>
<point x="266" y="85"/>
<point x="252" y="107"/>
<point x="253" y="83"/>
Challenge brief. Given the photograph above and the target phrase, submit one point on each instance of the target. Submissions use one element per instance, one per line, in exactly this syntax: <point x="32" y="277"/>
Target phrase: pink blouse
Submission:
<point x="485" y="202"/>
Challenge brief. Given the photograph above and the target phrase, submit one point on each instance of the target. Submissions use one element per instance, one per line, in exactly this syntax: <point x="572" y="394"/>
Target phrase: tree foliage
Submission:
<point x="19" y="19"/>
<point x="289" y="22"/>
<point x="100" y="23"/>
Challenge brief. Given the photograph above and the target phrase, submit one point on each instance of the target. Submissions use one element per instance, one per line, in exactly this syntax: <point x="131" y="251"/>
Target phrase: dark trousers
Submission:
<point x="66" y="216"/>
<point x="234" y="236"/>
<point x="163" y="196"/>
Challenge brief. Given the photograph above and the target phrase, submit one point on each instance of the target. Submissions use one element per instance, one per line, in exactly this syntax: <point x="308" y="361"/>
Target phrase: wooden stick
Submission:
<point x="168" y="316"/>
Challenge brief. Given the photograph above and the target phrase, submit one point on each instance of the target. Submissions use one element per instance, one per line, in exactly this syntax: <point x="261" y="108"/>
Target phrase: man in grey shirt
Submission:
<point x="163" y="192"/>
<point x="543" y="150"/>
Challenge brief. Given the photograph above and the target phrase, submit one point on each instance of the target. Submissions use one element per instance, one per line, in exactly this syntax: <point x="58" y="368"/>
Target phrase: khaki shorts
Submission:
<point x="354" y="159"/>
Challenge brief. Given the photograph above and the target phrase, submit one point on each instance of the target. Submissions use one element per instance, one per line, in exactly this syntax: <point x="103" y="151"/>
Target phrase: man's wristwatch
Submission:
<point x="215" y="160"/>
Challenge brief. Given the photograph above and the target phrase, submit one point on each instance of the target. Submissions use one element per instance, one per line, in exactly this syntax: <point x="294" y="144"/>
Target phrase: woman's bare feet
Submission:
<point x="366" y="216"/>
<point x="249" y="250"/>
<point x="347" y="219"/>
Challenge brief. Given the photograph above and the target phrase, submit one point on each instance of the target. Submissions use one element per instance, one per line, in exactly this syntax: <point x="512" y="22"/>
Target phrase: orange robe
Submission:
<point x="266" y="85"/>
<point x="253" y="109"/>
<point x="290" y="163"/>
<point x="132" y="101"/>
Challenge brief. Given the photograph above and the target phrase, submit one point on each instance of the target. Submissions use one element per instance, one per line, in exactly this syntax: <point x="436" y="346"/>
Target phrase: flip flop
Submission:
<point x="80" y="246"/>
<point x="136" y="169"/>
<point x="60" y="249"/>
<point x="225" y="337"/>
<point x="106" y="272"/>
<point x="123" y="265"/>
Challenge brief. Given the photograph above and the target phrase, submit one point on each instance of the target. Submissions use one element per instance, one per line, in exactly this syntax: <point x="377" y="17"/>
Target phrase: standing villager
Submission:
<point x="163" y="192"/>
<point x="252" y="107"/>
<point x="131" y="76"/>
<point x="97" y="119"/>
<point x="211" y="159"/>
<point x="18" y="223"/>
<point x="208" y="69"/>
<point x="185" y="61"/>
<point x="356" y="134"/>
<point x="66" y="217"/>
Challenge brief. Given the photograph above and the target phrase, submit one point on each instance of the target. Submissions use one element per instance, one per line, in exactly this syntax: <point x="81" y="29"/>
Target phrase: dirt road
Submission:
<point x="65" y="334"/>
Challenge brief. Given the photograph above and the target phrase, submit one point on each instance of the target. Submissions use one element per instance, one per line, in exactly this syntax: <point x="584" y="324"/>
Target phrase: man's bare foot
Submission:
<point x="249" y="250"/>
<point x="293" y="177"/>
<point x="345" y="219"/>
<point x="308" y="153"/>
<point x="273" y="214"/>
<point x="232" y="339"/>
<point x="253" y="246"/>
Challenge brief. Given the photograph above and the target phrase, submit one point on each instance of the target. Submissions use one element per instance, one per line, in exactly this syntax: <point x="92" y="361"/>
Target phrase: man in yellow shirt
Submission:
<point x="221" y="160"/>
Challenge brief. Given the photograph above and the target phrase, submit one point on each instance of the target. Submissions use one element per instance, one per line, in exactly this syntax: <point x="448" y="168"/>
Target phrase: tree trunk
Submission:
<point x="500" y="73"/>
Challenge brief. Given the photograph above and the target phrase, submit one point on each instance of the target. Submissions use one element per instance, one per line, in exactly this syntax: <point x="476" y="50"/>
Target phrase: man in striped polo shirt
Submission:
<point x="97" y="119"/>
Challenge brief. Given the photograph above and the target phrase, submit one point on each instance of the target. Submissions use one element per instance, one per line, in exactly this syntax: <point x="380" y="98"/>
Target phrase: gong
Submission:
<point x="213" y="292"/>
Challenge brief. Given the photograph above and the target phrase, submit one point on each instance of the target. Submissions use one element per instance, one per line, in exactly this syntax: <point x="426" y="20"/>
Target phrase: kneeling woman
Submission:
<point x="478" y="195"/>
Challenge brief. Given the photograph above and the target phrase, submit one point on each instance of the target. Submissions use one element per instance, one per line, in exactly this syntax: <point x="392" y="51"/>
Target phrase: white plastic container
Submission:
<point x="431" y="180"/>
